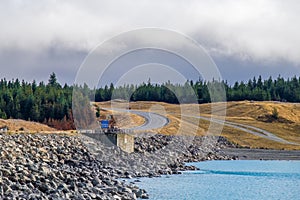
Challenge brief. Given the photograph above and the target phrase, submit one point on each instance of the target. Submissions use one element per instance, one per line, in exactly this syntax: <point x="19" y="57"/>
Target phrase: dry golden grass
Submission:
<point x="181" y="126"/>
<point x="18" y="125"/>
<point x="244" y="112"/>
<point x="123" y="120"/>
<point x="249" y="113"/>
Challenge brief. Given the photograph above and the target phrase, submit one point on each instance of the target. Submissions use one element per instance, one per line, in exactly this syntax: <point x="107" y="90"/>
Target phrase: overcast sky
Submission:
<point x="245" y="38"/>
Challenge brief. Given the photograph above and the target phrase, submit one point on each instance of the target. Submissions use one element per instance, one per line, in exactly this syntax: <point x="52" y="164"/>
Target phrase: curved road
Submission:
<point x="248" y="129"/>
<point x="152" y="120"/>
<point x="155" y="121"/>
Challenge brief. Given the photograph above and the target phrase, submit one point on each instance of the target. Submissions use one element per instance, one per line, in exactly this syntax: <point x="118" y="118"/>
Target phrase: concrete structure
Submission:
<point x="123" y="140"/>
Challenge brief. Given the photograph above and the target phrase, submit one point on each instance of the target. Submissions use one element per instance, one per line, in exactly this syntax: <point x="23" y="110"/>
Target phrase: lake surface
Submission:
<point x="229" y="180"/>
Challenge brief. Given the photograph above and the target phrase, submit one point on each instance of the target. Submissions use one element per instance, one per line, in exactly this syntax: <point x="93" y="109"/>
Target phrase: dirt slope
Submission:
<point x="18" y="125"/>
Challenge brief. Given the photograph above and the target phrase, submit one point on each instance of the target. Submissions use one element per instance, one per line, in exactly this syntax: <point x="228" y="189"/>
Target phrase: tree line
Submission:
<point x="46" y="103"/>
<point x="51" y="103"/>
<point x="255" y="89"/>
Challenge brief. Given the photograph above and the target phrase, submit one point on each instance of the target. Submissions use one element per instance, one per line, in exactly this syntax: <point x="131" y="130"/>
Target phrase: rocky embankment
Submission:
<point x="36" y="166"/>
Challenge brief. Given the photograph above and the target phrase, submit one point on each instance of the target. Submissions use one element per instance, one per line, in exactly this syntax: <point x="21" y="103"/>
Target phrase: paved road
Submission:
<point x="155" y="121"/>
<point x="247" y="128"/>
<point x="152" y="120"/>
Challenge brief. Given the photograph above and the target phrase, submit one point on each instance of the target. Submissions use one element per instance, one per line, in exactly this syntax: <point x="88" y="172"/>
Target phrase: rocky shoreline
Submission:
<point x="53" y="166"/>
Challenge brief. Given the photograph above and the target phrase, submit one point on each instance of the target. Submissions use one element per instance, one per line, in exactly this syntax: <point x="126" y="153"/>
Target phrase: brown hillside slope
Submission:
<point x="123" y="120"/>
<point x="256" y="114"/>
<point x="18" y="125"/>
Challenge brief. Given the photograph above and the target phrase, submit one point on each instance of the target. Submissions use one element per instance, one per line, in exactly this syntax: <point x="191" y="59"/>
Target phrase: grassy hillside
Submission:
<point x="18" y="125"/>
<point x="260" y="114"/>
<point x="257" y="114"/>
<point x="123" y="120"/>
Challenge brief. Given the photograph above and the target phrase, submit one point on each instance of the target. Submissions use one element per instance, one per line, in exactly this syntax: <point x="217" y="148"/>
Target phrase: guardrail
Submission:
<point x="107" y="131"/>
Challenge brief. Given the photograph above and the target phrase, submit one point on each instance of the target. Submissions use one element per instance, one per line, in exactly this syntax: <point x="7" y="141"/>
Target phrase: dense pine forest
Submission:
<point x="51" y="103"/>
<point x="255" y="89"/>
<point x="47" y="103"/>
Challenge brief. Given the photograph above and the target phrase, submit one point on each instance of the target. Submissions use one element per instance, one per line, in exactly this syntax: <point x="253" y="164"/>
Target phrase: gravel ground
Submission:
<point x="262" y="154"/>
<point x="37" y="166"/>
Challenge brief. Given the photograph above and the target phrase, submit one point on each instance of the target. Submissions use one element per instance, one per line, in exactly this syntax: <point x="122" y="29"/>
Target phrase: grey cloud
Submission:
<point x="25" y="65"/>
<point x="260" y="30"/>
<point x="38" y="37"/>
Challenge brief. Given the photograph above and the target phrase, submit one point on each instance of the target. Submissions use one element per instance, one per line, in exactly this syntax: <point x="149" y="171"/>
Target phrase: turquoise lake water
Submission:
<point x="229" y="180"/>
